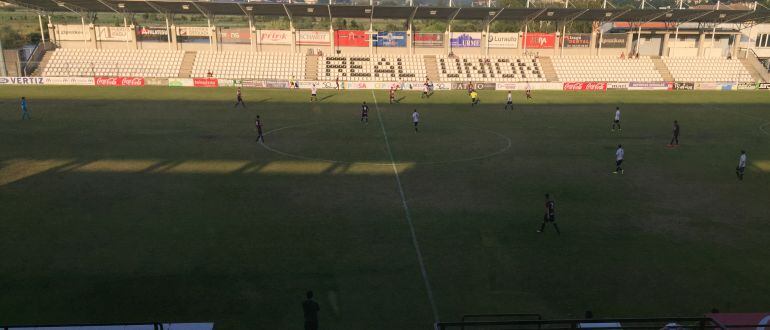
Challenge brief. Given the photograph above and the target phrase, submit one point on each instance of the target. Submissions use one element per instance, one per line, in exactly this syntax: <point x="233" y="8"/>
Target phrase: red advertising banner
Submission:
<point x="205" y="82"/>
<point x="585" y="86"/>
<point x="351" y="38"/>
<point x="118" y="81"/>
<point x="540" y="40"/>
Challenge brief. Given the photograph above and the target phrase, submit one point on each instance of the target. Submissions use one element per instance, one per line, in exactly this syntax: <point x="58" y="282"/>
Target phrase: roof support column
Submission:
<point x="639" y="37"/>
<point x="83" y="28"/>
<point x="92" y="33"/>
<point x="51" y="31"/>
<point x="42" y="32"/>
<point x="701" y="43"/>
<point x="252" y="33"/>
<point x="664" y="44"/>
<point x="629" y="43"/>
<point x="485" y="37"/>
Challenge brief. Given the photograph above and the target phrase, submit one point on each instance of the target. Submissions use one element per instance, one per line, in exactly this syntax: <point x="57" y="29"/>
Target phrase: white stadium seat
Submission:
<point x="490" y="68"/>
<point x="67" y="62"/>
<point x="611" y="69"/>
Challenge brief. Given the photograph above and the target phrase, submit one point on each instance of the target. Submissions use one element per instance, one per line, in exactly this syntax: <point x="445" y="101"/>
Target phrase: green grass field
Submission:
<point x="157" y="204"/>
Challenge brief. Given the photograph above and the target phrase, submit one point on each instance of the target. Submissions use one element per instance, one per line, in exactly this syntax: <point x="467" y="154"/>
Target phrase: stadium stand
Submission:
<point x="365" y="67"/>
<point x="113" y="62"/>
<point x="231" y="64"/>
<point x="492" y="69"/>
<point x="605" y="69"/>
<point x="707" y="69"/>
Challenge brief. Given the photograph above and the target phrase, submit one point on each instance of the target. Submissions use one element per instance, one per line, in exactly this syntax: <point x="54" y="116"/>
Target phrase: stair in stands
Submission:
<point x="311" y="67"/>
<point x="39" y="70"/>
<point x="756" y="76"/>
<point x="548" y="70"/>
<point x="431" y="68"/>
<point x="185" y="70"/>
<point x="662" y="69"/>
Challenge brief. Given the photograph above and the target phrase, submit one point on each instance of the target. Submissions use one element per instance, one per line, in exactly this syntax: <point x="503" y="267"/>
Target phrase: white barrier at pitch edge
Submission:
<point x="82" y="81"/>
<point x="362" y="85"/>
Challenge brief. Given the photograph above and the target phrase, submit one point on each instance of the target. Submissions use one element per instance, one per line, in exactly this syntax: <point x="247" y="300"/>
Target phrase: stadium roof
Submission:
<point x="240" y="8"/>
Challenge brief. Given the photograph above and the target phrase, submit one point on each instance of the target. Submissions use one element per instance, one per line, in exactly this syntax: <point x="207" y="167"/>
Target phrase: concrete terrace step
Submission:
<point x="548" y="69"/>
<point x="185" y="69"/>
<point x="311" y="67"/>
<point x="662" y="69"/>
<point x="431" y="67"/>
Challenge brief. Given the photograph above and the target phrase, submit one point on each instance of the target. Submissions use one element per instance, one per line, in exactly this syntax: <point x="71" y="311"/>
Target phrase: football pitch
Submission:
<point x="157" y="204"/>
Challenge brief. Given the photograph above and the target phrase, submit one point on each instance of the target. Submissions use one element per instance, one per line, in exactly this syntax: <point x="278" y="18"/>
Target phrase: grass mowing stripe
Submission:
<point x="407" y="213"/>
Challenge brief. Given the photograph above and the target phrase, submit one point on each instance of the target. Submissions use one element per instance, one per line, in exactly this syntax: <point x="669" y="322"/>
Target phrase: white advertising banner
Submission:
<point x="503" y="40"/>
<point x="68" y="32"/>
<point x="112" y="33"/>
<point x="521" y="86"/>
<point x="180" y="82"/>
<point x="192" y="31"/>
<point x="81" y="81"/>
<point x="274" y="37"/>
<point x="318" y="38"/>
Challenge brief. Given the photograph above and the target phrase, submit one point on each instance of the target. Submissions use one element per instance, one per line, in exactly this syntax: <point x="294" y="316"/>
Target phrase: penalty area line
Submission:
<point x="408" y="214"/>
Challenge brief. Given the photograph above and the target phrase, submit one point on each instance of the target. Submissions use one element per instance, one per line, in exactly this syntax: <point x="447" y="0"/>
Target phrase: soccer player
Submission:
<point x="470" y="87"/>
<point x="310" y="309"/>
<point x="365" y="113"/>
<point x="416" y="119"/>
<point x="509" y="101"/>
<point x="239" y="98"/>
<point x="550" y="215"/>
<point x="337" y="82"/>
<point x="258" y="124"/>
<point x="424" y="91"/>
<point x="741" y="165"/>
<point x="619" y="154"/>
<point x="616" y="122"/>
<point x="313" y="93"/>
<point x="392" y="94"/>
<point x="675" y="138"/>
<point x="24" y="112"/>
<point x="474" y="98"/>
<point x="528" y="91"/>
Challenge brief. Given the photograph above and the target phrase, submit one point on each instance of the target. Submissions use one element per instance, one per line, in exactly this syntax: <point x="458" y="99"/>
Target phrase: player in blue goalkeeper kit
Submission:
<point x="24" y="112"/>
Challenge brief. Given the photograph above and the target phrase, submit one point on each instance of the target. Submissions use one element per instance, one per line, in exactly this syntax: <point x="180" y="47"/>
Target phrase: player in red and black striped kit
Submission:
<point x="258" y="124"/>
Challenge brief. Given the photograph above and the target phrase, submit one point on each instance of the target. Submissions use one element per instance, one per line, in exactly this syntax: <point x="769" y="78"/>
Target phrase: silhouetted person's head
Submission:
<point x="309" y="295"/>
<point x="23" y="98"/>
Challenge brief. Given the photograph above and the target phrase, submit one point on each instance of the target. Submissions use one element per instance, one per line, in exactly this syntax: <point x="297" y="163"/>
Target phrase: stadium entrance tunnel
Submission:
<point x="18" y="169"/>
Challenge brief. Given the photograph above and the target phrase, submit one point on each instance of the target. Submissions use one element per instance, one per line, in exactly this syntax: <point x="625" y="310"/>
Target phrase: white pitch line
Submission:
<point x="407" y="213"/>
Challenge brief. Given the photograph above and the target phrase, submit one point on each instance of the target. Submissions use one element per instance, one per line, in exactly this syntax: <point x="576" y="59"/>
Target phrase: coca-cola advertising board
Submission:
<point x="316" y="38"/>
<point x="205" y="82"/>
<point x="585" y="86"/>
<point x="274" y="37"/>
<point x="539" y="40"/>
<point x="119" y="81"/>
<point x="351" y="38"/>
